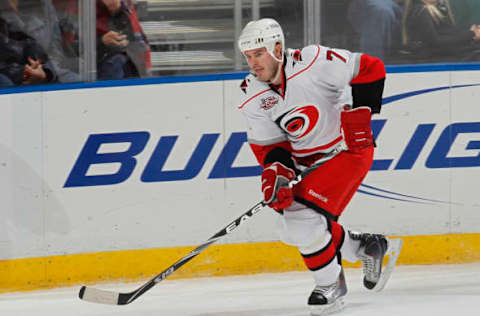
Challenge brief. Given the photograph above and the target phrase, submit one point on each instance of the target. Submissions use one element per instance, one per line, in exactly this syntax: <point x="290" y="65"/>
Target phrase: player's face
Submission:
<point x="261" y="64"/>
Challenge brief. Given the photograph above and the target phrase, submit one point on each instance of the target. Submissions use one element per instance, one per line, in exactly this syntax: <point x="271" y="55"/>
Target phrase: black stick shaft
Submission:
<point x="108" y="297"/>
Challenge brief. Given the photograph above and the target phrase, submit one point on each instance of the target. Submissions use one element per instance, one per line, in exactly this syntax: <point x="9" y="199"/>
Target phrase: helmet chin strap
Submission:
<point x="271" y="51"/>
<point x="277" y="59"/>
<point x="279" y="71"/>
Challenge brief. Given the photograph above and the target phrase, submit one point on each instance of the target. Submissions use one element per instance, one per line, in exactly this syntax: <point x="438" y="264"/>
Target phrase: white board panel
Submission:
<point x="167" y="165"/>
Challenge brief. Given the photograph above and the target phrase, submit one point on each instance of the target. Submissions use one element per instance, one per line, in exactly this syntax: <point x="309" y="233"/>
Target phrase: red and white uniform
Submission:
<point x="306" y="111"/>
<point x="302" y="115"/>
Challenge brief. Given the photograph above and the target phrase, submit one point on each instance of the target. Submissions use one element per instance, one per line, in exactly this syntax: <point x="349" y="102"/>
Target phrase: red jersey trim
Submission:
<point x="306" y="68"/>
<point x="371" y="69"/>
<point x="261" y="151"/>
<point x="256" y="95"/>
<point x="292" y="76"/>
<point x="312" y="150"/>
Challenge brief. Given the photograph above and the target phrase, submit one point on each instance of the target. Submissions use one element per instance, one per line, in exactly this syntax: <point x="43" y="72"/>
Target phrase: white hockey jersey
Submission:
<point x="306" y="110"/>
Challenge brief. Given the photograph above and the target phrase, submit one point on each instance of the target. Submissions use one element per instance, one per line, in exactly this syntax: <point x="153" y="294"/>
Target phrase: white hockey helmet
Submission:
<point x="262" y="33"/>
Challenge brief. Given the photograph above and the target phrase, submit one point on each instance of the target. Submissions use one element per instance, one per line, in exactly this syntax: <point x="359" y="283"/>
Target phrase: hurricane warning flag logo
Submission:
<point x="299" y="122"/>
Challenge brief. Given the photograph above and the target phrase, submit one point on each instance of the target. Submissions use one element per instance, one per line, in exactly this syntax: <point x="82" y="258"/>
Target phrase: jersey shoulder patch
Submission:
<point x="295" y="54"/>
<point x="302" y="56"/>
<point x="247" y="83"/>
<point x="300" y="60"/>
<point x="244" y="85"/>
<point x="310" y="53"/>
<point x="250" y="88"/>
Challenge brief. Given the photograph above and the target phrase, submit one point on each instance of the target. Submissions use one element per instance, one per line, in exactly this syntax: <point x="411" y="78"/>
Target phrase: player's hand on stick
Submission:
<point x="356" y="128"/>
<point x="276" y="192"/>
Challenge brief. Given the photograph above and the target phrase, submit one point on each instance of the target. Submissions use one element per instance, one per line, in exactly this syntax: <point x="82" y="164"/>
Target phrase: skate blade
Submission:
<point x="393" y="251"/>
<point x="321" y="310"/>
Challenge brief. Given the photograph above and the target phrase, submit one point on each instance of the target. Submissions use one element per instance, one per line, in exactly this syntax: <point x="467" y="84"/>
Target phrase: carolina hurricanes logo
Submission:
<point x="301" y="121"/>
<point x="269" y="102"/>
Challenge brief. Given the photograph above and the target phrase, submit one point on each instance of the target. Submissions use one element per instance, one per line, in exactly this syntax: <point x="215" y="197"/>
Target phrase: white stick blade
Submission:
<point x="98" y="296"/>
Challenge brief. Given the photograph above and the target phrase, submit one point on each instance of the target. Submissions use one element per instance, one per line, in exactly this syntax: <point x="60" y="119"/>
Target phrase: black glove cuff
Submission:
<point x="279" y="154"/>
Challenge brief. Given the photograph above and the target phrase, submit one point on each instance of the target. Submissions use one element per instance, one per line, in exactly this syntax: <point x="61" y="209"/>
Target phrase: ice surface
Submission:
<point x="412" y="291"/>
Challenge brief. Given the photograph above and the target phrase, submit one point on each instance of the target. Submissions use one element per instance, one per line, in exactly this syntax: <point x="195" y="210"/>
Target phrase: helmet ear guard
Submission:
<point x="262" y="33"/>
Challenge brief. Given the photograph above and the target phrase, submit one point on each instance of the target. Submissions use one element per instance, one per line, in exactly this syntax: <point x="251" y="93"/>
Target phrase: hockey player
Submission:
<point x="300" y="105"/>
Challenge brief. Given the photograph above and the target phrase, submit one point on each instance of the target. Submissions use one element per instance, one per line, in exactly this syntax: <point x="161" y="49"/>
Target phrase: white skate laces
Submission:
<point x="373" y="248"/>
<point x="372" y="251"/>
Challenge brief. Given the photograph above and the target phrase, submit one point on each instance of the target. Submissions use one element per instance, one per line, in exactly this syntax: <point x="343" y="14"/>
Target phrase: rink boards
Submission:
<point x="118" y="182"/>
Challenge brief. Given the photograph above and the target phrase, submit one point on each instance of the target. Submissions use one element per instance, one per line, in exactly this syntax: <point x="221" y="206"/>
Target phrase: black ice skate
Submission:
<point x="328" y="299"/>
<point x="373" y="248"/>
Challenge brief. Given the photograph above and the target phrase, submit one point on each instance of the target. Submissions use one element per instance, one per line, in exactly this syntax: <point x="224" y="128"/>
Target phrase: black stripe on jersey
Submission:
<point x="244" y="86"/>
<point x="316" y="208"/>
<point x="368" y="94"/>
<point x="279" y="119"/>
<point x="316" y="253"/>
<point x="279" y="154"/>
<point x="324" y="264"/>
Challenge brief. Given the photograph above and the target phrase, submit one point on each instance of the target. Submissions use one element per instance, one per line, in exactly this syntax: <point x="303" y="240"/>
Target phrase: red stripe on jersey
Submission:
<point x="256" y="95"/>
<point x="321" y="258"/>
<point x="306" y="68"/>
<point x="292" y="76"/>
<point x="261" y="151"/>
<point x="371" y="69"/>
<point x="322" y="147"/>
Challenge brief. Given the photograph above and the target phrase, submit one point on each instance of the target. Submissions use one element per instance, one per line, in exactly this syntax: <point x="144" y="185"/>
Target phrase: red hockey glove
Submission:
<point x="276" y="193"/>
<point x="356" y="128"/>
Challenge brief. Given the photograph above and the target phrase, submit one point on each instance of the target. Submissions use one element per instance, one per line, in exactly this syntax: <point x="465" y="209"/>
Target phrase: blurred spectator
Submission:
<point x="38" y="20"/>
<point x="378" y="23"/>
<point x="429" y="31"/>
<point x="122" y="47"/>
<point x="67" y="12"/>
<point x="22" y="60"/>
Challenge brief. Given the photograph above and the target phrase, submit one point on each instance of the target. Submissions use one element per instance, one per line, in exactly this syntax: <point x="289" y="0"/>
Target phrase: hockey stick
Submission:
<point x="116" y="298"/>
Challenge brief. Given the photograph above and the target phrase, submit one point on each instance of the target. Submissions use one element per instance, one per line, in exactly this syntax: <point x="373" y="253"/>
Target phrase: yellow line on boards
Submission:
<point x="219" y="260"/>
